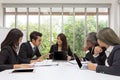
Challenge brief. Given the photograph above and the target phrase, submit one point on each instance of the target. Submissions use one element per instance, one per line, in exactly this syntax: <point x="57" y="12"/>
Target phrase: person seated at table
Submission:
<point x="9" y="48"/>
<point x="107" y="38"/>
<point x="29" y="51"/>
<point x="61" y="45"/>
<point x="91" y="44"/>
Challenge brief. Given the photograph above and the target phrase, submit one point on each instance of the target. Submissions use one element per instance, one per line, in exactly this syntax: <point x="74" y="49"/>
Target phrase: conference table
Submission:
<point x="50" y="70"/>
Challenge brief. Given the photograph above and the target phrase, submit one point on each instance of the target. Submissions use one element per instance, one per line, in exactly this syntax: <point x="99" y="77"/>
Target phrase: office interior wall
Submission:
<point x="115" y="15"/>
<point x="4" y="32"/>
<point x="1" y="16"/>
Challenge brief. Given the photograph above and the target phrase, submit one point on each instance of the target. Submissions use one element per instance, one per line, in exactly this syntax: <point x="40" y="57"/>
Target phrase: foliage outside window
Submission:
<point x="49" y="22"/>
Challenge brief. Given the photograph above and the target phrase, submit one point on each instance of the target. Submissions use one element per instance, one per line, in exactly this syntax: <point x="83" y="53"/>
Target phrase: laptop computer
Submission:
<point x="82" y="65"/>
<point x="60" y="56"/>
<point x="78" y="61"/>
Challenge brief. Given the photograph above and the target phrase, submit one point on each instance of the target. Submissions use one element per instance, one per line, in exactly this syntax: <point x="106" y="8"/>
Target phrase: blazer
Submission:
<point x="113" y="61"/>
<point x="89" y="56"/>
<point x="55" y="48"/>
<point x="26" y="52"/>
<point x="8" y="57"/>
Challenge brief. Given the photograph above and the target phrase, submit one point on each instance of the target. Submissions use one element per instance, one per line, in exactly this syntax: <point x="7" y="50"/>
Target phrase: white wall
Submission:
<point x="1" y="18"/>
<point x="4" y="32"/>
<point x="115" y="15"/>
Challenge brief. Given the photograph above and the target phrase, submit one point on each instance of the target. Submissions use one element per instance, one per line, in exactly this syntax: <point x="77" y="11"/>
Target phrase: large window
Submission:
<point x="74" y="21"/>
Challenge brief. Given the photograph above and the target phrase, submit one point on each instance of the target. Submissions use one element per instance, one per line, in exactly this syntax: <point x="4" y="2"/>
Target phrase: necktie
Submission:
<point x="34" y="49"/>
<point x="33" y="55"/>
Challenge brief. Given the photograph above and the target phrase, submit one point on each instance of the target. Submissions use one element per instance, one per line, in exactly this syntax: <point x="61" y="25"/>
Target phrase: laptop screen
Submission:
<point x="60" y="55"/>
<point x="78" y="61"/>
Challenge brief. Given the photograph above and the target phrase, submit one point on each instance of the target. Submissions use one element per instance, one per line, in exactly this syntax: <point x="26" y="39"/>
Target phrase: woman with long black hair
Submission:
<point x="9" y="48"/>
<point x="61" y="45"/>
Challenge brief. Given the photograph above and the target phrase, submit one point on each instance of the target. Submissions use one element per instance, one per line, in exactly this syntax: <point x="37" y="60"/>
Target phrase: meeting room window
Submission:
<point x="74" y="20"/>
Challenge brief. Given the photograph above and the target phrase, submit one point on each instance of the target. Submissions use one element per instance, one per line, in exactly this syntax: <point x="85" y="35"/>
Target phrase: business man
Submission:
<point x="29" y="51"/>
<point x="91" y="44"/>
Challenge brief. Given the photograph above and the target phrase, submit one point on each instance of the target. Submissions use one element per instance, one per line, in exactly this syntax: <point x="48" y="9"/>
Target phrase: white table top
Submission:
<point x="64" y="71"/>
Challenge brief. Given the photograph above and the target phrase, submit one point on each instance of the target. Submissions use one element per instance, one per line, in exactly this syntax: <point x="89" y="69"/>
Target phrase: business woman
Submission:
<point x="9" y="48"/>
<point x="108" y="39"/>
<point x="61" y="45"/>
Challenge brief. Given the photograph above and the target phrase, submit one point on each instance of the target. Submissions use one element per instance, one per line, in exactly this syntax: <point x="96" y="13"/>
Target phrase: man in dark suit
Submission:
<point x="29" y="51"/>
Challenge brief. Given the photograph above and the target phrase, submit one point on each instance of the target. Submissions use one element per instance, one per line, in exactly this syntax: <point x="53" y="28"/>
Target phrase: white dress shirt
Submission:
<point x="33" y="48"/>
<point x="32" y="45"/>
<point x="107" y="52"/>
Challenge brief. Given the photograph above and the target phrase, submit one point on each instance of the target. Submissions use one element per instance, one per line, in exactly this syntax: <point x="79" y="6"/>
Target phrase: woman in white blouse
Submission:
<point x="108" y="39"/>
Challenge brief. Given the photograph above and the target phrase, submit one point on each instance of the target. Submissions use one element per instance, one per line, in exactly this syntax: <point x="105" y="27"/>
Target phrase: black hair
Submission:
<point x="34" y="35"/>
<point x="12" y="38"/>
<point x="64" y="41"/>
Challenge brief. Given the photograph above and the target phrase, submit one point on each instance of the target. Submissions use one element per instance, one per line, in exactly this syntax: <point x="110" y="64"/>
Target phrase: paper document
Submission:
<point x="45" y="63"/>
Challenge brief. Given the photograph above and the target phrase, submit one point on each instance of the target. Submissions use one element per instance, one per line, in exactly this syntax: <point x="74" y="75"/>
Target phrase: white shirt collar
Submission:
<point x="32" y="44"/>
<point x="109" y="50"/>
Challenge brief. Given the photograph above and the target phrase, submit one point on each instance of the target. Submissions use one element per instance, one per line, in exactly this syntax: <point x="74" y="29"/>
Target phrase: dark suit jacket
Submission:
<point x="55" y="48"/>
<point x="26" y="52"/>
<point x="100" y="60"/>
<point x="89" y="56"/>
<point x="113" y="61"/>
<point x="8" y="57"/>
